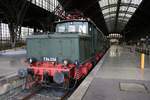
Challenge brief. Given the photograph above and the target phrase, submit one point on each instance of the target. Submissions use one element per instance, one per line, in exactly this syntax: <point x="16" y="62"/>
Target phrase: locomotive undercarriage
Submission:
<point x="59" y="78"/>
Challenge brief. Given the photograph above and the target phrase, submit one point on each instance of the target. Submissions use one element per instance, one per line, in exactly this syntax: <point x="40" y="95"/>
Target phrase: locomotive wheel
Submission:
<point x="29" y="81"/>
<point x="66" y="84"/>
<point x="59" y="77"/>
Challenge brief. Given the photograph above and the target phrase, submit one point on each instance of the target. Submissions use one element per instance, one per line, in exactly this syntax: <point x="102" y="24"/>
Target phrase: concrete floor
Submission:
<point x="120" y="66"/>
<point x="124" y="65"/>
<point x="11" y="61"/>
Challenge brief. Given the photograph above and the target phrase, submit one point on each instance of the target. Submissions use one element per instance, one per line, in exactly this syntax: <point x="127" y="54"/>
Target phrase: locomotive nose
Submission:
<point x="58" y="77"/>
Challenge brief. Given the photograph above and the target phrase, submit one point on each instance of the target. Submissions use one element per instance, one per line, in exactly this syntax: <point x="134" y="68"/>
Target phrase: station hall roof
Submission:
<point x="128" y="17"/>
<point x="118" y="12"/>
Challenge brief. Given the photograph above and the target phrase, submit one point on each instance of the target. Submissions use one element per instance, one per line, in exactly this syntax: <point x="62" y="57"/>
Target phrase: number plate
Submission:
<point x="52" y="59"/>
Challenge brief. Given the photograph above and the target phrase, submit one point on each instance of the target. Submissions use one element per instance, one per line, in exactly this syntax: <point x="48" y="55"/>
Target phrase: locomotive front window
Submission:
<point x="82" y="28"/>
<point x="71" y="28"/>
<point x="61" y="29"/>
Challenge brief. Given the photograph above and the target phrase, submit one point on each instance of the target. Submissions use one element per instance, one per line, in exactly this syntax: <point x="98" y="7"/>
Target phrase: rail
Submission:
<point x="15" y="91"/>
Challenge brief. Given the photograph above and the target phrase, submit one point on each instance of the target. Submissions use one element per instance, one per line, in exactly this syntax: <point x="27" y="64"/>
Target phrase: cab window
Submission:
<point x="61" y="29"/>
<point x="82" y="28"/>
<point x="71" y="28"/>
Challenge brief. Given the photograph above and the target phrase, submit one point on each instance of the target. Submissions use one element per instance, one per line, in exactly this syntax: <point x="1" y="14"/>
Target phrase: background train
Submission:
<point x="67" y="54"/>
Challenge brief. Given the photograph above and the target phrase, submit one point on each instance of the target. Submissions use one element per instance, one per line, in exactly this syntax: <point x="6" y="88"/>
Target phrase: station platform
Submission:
<point x="11" y="60"/>
<point x="117" y="76"/>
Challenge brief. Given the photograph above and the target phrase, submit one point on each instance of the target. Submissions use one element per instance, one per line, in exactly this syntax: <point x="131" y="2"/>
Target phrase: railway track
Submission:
<point x="16" y="91"/>
<point x="40" y="93"/>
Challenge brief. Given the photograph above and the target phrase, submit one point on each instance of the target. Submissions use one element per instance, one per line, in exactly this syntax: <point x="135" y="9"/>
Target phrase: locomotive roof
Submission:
<point x="72" y="20"/>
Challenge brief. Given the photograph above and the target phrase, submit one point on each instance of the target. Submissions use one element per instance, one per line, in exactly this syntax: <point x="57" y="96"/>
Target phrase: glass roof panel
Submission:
<point x="107" y="2"/>
<point x="107" y="16"/>
<point x="109" y="20"/>
<point x="49" y="5"/>
<point x="113" y="19"/>
<point x="131" y="9"/>
<point x="125" y="1"/>
<point x="121" y="14"/>
<point x="103" y="3"/>
<point x="123" y="8"/>
<point x="120" y="18"/>
<point x="53" y="4"/>
<point x="136" y="1"/>
<point x="128" y="15"/>
<point x="122" y="21"/>
<point x="125" y="19"/>
<point x="112" y="15"/>
<point x="105" y="11"/>
<point x="113" y="1"/>
<point x="113" y="9"/>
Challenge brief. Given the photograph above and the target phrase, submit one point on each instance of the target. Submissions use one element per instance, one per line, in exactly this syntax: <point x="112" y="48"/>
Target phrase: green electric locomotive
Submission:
<point x="69" y="53"/>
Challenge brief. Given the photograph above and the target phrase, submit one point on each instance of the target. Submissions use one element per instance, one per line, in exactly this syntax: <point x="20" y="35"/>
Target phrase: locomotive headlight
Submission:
<point x="77" y="62"/>
<point x="65" y="62"/>
<point x="30" y="60"/>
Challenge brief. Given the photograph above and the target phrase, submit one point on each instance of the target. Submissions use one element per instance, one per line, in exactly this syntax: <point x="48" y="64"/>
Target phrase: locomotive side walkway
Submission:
<point x="116" y="77"/>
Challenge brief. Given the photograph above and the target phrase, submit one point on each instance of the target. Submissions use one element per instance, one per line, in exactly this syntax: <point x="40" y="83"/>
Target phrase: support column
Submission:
<point x="0" y="36"/>
<point x="35" y="30"/>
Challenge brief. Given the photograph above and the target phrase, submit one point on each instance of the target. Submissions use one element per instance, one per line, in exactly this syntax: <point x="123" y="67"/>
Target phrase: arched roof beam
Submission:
<point x="122" y="4"/>
<point x="114" y="12"/>
<point x="123" y="22"/>
<point x="118" y="18"/>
